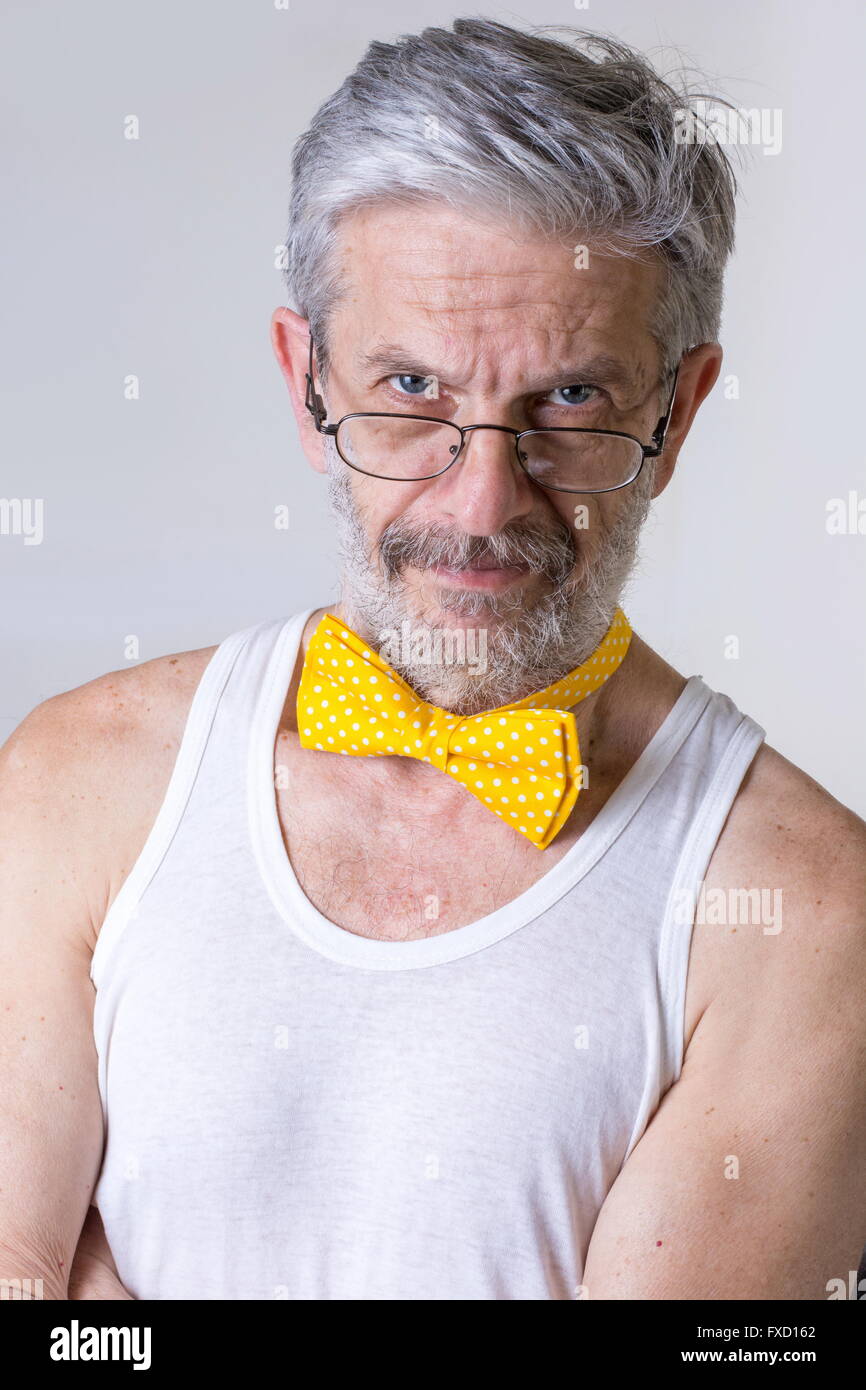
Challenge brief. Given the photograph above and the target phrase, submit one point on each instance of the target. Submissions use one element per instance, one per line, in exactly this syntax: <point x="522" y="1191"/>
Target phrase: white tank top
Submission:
<point x="294" y="1111"/>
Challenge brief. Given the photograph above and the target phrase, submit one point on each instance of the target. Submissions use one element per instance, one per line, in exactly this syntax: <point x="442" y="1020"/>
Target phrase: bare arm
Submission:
<point x="81" y="782"/>
<point x="50" y="1115"/>
<point x="94" y="1274"/>
<point x="750" y="1180"/>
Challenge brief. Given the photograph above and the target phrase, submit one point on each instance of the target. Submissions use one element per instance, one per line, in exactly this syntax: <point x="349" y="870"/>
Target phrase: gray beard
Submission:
<point x="525" y="648"/>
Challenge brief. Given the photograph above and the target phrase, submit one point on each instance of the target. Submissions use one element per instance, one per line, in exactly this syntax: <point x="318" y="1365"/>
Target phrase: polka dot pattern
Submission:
<point x="521" y="760"/>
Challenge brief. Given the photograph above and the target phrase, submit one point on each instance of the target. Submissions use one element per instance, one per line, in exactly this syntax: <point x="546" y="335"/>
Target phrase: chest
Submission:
<point x="399" y="853"/>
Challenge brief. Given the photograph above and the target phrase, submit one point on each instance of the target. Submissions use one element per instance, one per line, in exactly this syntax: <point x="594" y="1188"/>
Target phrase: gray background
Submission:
<point x="157" y="257"/>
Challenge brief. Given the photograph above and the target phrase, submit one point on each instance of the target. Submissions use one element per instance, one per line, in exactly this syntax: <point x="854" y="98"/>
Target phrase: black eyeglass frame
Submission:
<point x="316" y="406"/>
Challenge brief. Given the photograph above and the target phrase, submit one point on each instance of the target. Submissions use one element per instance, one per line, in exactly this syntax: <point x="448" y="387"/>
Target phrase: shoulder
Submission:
<point x="783" y="905"/>
<point x="83" y="776"/>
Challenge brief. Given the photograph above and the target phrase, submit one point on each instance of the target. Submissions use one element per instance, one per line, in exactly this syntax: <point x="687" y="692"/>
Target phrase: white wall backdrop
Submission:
<point x="155" y="257"/>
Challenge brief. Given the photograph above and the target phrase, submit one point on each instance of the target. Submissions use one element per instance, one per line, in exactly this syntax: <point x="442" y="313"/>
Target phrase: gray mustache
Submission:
<point x="545" y="551"/>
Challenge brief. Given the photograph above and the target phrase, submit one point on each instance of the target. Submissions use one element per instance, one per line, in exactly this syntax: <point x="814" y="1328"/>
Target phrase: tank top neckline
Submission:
<point x="338" y="944"/>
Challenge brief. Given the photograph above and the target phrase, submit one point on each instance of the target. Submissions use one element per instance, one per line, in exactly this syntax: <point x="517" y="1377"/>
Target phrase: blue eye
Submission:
<point x="416" y="386"/>
<point x="576" y="390"/>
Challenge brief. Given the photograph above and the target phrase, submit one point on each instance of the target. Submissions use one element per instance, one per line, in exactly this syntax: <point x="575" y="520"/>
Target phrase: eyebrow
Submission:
<point x="390" y="358"/>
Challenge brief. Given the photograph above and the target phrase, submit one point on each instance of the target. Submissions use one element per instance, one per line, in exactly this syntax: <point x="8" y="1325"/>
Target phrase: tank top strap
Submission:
<point x="211" y="758"/>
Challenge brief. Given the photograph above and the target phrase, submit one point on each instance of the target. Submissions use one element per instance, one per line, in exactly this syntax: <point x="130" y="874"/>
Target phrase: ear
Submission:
<point x="698" y="372"/>
<point x="290" y="339"/>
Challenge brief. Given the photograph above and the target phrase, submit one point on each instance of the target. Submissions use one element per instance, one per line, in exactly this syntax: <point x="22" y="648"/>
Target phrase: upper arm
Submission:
<point x="51" y="1130"/>
<point x="750" y="1180"/>
<point x="81" y="782"/>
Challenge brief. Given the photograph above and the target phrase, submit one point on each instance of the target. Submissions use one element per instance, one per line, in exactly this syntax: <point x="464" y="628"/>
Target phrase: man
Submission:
<point x="434" y="1019"/>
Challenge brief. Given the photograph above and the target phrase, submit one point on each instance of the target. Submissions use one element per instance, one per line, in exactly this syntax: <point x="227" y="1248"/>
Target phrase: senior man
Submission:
<point x="387" y="977"/>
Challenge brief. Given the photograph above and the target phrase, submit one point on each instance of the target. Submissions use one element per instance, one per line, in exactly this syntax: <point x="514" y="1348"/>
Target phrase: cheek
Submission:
<point x="584" y="515"/>
<point x="379" y="503"/>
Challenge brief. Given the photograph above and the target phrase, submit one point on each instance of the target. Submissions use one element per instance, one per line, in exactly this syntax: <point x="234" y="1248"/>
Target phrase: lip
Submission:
<point x="489" y="579"/>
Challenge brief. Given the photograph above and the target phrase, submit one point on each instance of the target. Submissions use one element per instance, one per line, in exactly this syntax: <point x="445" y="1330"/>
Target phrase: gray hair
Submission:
<point x="564" y="138"/>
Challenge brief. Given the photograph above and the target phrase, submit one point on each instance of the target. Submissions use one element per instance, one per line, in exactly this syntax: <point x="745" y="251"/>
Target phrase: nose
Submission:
<point x="486" y="487"/>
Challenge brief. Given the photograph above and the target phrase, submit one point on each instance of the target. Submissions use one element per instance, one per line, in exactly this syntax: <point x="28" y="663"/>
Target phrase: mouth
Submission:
<point x="481" y="574"/>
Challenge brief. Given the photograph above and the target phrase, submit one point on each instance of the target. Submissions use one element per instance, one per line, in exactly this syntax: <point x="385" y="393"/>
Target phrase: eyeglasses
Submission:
<point x="413" y="448"/>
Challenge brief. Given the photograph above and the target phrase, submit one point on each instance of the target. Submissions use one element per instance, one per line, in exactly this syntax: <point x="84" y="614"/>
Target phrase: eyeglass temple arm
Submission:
<point x="660" y="432"/>
<point x="313" y="400"/>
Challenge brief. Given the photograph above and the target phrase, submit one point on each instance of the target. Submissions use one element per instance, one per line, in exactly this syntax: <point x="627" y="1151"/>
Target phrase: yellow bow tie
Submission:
<point x="521" y="760"/>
